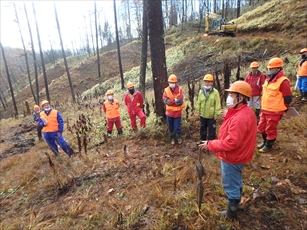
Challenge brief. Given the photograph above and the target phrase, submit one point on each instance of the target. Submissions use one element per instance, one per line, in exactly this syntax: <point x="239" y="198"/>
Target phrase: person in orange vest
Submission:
<point x="255" y="79"/>
<point x="235" y="144"/>
<point x="111" y="108"/>
<point x="173" y="99"/>
<point x="53" y="127"/>
<point x="134" y="102"/>
<point x="275" y="100"/>
<point x="35" y="117"/>
<point x="302" y="74"/>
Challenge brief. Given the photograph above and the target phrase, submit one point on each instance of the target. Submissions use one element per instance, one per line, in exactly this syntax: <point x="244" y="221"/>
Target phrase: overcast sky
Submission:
<point x="70" y="14"/>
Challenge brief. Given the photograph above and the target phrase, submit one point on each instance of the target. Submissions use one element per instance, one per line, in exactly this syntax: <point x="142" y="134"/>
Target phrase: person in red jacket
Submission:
<point x="275" y="100"/>
<point x="111" y="108"/>
<point x="173" y="99"/>
<point x="134" y="102"/>
<point x="235" y="144"/>
<point x="255" y="79"/>
<point x="302" y="74"/>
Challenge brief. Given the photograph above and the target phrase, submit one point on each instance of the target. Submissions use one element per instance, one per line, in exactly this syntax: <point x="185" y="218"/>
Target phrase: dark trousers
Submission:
<point x="207" y="124"/>
<point x="39" y="132"/>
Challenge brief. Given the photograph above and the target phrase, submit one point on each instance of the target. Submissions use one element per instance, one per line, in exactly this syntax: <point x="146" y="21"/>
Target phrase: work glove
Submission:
<point x="44" y="121"/>
<point x="167" y="101"/>
<point x="178" y="101"/>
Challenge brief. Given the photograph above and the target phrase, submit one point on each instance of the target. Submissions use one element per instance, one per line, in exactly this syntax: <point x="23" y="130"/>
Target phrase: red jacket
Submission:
<point x="255" y="81"/>
<point x="134" y="102"/>
<point x="237" y="136"/>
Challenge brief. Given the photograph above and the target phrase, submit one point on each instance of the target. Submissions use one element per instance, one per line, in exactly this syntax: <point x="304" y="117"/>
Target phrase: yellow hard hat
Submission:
<point x="44" y="102"/>
<point x="208" y="77"/>
<point x="109" y="92"/>
<point x="241" y="87"/>
<point x="172" y="78"/>
<point x="303" y="50"/>
<point x="130" y="85"/>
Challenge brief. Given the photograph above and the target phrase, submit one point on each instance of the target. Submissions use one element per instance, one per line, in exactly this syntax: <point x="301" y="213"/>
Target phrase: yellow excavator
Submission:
<point x="216" y="25"/>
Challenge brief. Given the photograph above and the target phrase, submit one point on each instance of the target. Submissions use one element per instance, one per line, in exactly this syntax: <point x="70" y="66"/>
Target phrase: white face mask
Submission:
<point x="110" y="97"/>
<point x="47" y="109"/>
<point x="207" y="87"/>
<point x="172" y="85"/>
<point x="229" y="101"/>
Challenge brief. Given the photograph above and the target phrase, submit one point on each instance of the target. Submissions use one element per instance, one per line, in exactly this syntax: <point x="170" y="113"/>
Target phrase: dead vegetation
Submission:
<point x="140" y="181"/>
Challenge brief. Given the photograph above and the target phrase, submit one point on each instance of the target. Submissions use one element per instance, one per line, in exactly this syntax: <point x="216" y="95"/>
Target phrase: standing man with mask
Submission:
<point x="255" y="79"/>
<point x="53" y="126"/>
<point x="209" y="107"/>
<point x="302" y="74"/>
<point x="173" y="99"/>
<point x="276" y="98"/>
<point x="235" y="144"/>
<point x="134" y="102"/>
<point x="111" y="108"/>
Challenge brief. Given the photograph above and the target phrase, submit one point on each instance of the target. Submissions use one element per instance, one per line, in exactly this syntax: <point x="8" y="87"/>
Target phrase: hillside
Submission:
<point x="139" y="180"/>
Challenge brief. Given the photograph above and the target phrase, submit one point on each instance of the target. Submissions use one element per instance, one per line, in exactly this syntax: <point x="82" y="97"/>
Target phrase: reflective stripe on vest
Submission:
<point x="272" y="99"/>
<point x="112" y="110"/>
<point x="52" y="121"/>
<point x="172" y="96"/>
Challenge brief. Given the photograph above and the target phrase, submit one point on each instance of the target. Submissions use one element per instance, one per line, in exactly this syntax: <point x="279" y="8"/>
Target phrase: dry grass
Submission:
<point x="140" y="181"/>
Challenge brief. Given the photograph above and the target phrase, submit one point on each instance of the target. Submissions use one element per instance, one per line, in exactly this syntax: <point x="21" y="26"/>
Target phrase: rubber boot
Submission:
<point x="257" y="112"/>
<point x="120" y="131"/>
<point x="268" y="146"/>
<point x="109" y="134"/>
<point x="260" y="146"/>
<point x="172" y="136"/>
<point x="179" y="139"/>
<point x="304" y="96"/>
<point x="232" y="209"/>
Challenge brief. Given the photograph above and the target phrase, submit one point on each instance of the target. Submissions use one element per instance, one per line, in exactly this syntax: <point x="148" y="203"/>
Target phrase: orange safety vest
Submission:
<point x="272" y="99"/>
<point x="52" y="121"/>
<point x="302" y="70"/>
<point x="112" y="110"/>
<point x="172" y="96"/>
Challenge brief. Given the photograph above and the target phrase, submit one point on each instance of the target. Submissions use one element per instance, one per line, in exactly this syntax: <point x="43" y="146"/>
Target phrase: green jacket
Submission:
<point x="208" y="106"/>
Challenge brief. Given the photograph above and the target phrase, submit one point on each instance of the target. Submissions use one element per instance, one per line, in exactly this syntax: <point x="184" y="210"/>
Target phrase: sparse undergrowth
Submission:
<point x="140" y="181"/>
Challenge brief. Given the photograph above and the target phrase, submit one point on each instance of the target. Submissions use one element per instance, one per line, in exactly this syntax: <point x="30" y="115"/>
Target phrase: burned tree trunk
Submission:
<point x="158" y="59"/>
<point x="227" y="74"/>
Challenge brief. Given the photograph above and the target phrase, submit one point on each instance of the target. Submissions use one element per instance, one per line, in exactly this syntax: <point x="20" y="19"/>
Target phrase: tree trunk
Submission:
<point x="227" y="73"/>
<point x="64" y="55"/>
<point x="157" y="49"/>
<point x="34" y="55"/>
<point x="26" y="54"/>
<point x="2" y="101"/>
<point x="9" y="79"/>
<point x="118" y="48"/>
<point x="238" y="8"/>
<point x="144" y="50"/>
<point x="97" y="46"/>
<point x="41" y="55"/>
<point x="89" y="16"/>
